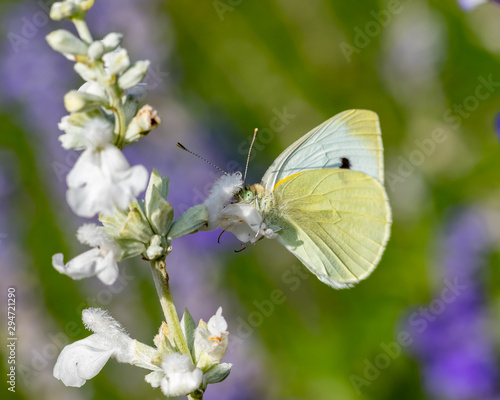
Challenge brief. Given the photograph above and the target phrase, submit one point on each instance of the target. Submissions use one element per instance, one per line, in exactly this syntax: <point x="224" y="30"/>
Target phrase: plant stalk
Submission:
<point x="83" y="30"/>
<point x="161" y="279"/>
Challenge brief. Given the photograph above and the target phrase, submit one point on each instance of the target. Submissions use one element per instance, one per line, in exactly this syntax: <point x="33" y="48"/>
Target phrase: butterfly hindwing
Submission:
<point x="336" y="221"/>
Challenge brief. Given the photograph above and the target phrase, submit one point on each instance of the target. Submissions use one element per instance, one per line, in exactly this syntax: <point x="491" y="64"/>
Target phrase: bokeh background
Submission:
<point x="423" y="326"/>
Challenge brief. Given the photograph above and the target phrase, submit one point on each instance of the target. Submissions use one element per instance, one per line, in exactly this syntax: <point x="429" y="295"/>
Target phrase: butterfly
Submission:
<point x="323" y="198"/>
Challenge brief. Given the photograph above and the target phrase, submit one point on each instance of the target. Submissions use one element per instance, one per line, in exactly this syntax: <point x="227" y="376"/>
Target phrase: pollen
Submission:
<point x="217" y="339"/>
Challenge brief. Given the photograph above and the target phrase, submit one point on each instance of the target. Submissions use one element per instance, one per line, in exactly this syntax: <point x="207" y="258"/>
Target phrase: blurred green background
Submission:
<point x="223" y="68"/>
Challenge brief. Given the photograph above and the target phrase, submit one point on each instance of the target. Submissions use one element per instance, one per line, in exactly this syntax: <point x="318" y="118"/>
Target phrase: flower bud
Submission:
<point x="157" y="248"/>
<point x="131" y="225"/>
<point x="93" y="88"/>
<point x="117" y="61"/>
<point x="158" y="210"/>
<point x="65" y="42"/>
<point x="111" y="41"/>
<point x="75" y="101"/>
<point x="163" y="343"/>
<point x="87" y="73"/>
<point x="96" y="50"/>
<point x="84" y="5"/>
<point x="133" y="75"/>
<point x="210" y="341"/>
<point x="62" y="10"/>
<point x="144" y="122"/>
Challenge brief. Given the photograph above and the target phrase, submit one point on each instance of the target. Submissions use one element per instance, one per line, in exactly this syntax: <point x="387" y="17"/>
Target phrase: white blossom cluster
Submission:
<point x="175" y="373"/>
<point x="104" y="116"/>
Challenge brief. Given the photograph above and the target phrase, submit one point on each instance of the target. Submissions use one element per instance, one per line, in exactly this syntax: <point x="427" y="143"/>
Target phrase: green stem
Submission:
<point x="161" y="279"/>
<point x="83" y="29"/>
<point x="115" y="104"/>
<point x="119" y="118"/>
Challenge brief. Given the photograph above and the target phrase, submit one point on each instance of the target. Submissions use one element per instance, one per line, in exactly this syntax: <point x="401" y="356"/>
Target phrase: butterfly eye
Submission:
<point x="248" y="195"/>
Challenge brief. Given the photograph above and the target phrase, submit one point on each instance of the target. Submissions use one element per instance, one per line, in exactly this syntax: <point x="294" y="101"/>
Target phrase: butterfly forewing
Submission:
<point x="349" y="140"/>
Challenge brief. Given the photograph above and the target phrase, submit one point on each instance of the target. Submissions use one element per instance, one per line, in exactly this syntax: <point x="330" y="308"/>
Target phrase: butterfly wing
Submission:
<point x="336" y="221"/>
<point x="351" y="137"/>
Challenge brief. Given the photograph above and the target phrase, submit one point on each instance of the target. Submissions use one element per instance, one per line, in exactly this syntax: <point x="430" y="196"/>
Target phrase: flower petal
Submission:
<point x="210" y="343"/>
<point x="221" y="193"/>
<point x="82" y="266"/>
<point x="181" y="376"/>
<point x="82" y="360"/>
<point x="103" y="179"/>
<point x="243" y="220"/>
<point x="89" y="264"/>
<point x="85" y="169"/>
<point x="107" y="269"/>
<point x="154" y="378"/>
<point x="217" y="324"/>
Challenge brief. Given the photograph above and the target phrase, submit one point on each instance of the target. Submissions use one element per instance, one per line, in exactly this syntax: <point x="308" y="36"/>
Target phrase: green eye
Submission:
<point x="247" y="195"/>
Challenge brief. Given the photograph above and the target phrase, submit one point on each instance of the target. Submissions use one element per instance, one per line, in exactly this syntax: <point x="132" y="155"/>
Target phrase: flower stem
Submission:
<point x="83" y="29"/>
<point x="119" y="118"/>
<point x="161" y="279"/>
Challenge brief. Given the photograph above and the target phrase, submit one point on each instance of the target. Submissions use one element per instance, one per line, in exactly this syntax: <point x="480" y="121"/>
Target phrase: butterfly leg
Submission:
<point x="218" y="239"/>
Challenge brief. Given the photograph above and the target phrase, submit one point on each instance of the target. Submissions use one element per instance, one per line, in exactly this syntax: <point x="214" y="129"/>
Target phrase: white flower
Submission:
<point x="116" y="62"/>
<point x="97" y="133"/>
<point x="222" y="192"/>
<point x="245" y="222"/>
<point x="112" y="40"/>
<point x="82" y="132"/>
<point x="211" y="340"/>
<point x="84" y="359"/>
<point x="134" y="74"/>
<point x="100" y="261"/>
<point x="93" y="88"/>
<point x="102" y="179"/>
<point x="66" y="43"/>
<point x="181" y="376"/>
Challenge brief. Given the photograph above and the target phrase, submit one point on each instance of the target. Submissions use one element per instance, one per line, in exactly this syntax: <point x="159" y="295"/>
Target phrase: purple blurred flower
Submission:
<point x="31" y="74"/>
<point x="497" y="125"/>
<point x="471" y="4"/>
<point x="455" y="349"/>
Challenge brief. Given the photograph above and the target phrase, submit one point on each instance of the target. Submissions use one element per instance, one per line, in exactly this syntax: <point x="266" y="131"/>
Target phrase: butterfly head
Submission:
<point x="246" y="195"/>
<point x="249" y="193"/>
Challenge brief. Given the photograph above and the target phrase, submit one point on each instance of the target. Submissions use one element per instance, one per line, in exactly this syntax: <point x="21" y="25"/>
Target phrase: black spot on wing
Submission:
<point x="346" y="164"/>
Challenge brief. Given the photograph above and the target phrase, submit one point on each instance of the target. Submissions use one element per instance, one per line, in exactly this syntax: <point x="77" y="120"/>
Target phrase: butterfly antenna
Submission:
<point x="249" y="152"/>
<point x="204" y="159"/>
